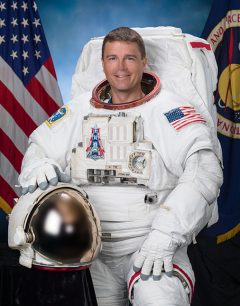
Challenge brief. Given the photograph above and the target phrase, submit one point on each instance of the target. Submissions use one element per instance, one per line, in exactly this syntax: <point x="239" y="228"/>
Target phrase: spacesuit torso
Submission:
<point x="151" y="168"/>
<point x="79" y="137"/>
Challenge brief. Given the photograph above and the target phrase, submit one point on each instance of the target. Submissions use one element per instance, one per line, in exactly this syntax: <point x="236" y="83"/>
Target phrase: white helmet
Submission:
<point x="55" y="229"/>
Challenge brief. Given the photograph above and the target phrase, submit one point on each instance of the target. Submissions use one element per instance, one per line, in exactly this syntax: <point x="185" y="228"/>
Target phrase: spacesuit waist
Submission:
<point x="124" y="204"/>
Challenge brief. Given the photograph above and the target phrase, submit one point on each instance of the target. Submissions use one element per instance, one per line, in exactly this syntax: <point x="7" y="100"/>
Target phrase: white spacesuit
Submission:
<point x="169" y="202"/>
<point x="151" y="169"/>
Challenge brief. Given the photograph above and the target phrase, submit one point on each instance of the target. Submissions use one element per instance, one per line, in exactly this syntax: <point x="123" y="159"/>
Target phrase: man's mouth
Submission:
<point x="122" y="76"/>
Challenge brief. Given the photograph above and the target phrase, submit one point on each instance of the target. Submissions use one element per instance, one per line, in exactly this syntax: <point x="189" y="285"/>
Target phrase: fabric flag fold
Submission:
<point x="222" y="31"/>
<point x="29" y="92"/>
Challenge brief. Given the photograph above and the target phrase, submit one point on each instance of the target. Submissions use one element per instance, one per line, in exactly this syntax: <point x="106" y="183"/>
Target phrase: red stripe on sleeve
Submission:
<point x="198" y="44"/>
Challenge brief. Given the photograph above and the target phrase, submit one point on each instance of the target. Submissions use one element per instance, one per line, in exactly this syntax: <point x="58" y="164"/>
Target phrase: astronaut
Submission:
<point x="145" y="158"/>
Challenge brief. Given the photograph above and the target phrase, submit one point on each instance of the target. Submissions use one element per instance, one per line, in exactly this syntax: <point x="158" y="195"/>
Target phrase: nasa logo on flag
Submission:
<point x="222" y="31"/>
<point x="225" y="41"/>
<point x="59" y="114"/>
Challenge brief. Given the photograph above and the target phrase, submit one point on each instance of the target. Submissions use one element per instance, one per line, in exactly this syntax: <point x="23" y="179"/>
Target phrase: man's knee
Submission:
<point x="168" y="291"/>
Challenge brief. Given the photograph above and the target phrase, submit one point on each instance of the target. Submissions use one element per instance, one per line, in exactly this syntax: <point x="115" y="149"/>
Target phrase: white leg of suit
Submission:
<point x="168" y="291"/>
<point x="112" y="274"/>
<point x="109" y="280"/>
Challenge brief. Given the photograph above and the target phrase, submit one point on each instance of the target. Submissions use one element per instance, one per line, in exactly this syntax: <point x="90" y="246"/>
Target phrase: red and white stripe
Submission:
<point x="136" y="276"/>
<point x="22" y="109"/>
<point x="190" y="116"/>
<point x="187" y="279"/>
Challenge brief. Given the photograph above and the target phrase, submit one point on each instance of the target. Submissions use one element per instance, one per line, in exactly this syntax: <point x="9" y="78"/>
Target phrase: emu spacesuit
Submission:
<point x="151" y="172"/>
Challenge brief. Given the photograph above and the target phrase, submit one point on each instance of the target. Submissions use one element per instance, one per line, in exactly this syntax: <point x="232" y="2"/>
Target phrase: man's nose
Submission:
<point x="122" y="64"/>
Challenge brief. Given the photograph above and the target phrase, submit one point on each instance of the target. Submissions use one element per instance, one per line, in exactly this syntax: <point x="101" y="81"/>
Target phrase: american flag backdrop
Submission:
<point x="29" y="92"/>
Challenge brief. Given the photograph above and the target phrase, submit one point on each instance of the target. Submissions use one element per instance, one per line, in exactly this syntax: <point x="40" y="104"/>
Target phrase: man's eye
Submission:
<point x="112" y="58"/>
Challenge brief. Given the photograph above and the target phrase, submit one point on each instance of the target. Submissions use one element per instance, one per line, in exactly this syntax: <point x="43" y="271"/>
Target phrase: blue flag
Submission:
<point x="222" y="31"/>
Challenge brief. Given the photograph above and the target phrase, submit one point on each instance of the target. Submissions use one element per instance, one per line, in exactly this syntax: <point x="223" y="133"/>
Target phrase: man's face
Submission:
<point x="123" y="66"/>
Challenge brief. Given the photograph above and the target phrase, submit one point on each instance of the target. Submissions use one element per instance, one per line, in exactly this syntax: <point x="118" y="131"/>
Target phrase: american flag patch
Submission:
<point x="182" y="116"/>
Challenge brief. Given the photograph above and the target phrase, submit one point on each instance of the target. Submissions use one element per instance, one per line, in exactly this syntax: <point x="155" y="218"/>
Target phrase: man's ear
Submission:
<point x="145" y="61"/>
<point x="102" y="64"/>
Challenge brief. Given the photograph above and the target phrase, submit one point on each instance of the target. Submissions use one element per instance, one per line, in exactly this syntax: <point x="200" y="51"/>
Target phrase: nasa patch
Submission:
<point x="58" y="115"/>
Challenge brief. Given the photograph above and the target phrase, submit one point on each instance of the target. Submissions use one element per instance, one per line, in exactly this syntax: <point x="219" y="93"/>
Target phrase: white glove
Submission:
<point x="156" y="252"/>
<point x="41" y="177"/>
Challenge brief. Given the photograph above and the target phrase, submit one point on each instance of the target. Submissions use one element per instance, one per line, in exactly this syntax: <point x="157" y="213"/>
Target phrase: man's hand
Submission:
<point x="41" y="177"/>
<point x="156" y="253"/>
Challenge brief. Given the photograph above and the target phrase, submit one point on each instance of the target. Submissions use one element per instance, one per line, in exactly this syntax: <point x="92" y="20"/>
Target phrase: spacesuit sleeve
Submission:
<point x="188" y="207"/>
<point x="53" y="141"/>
